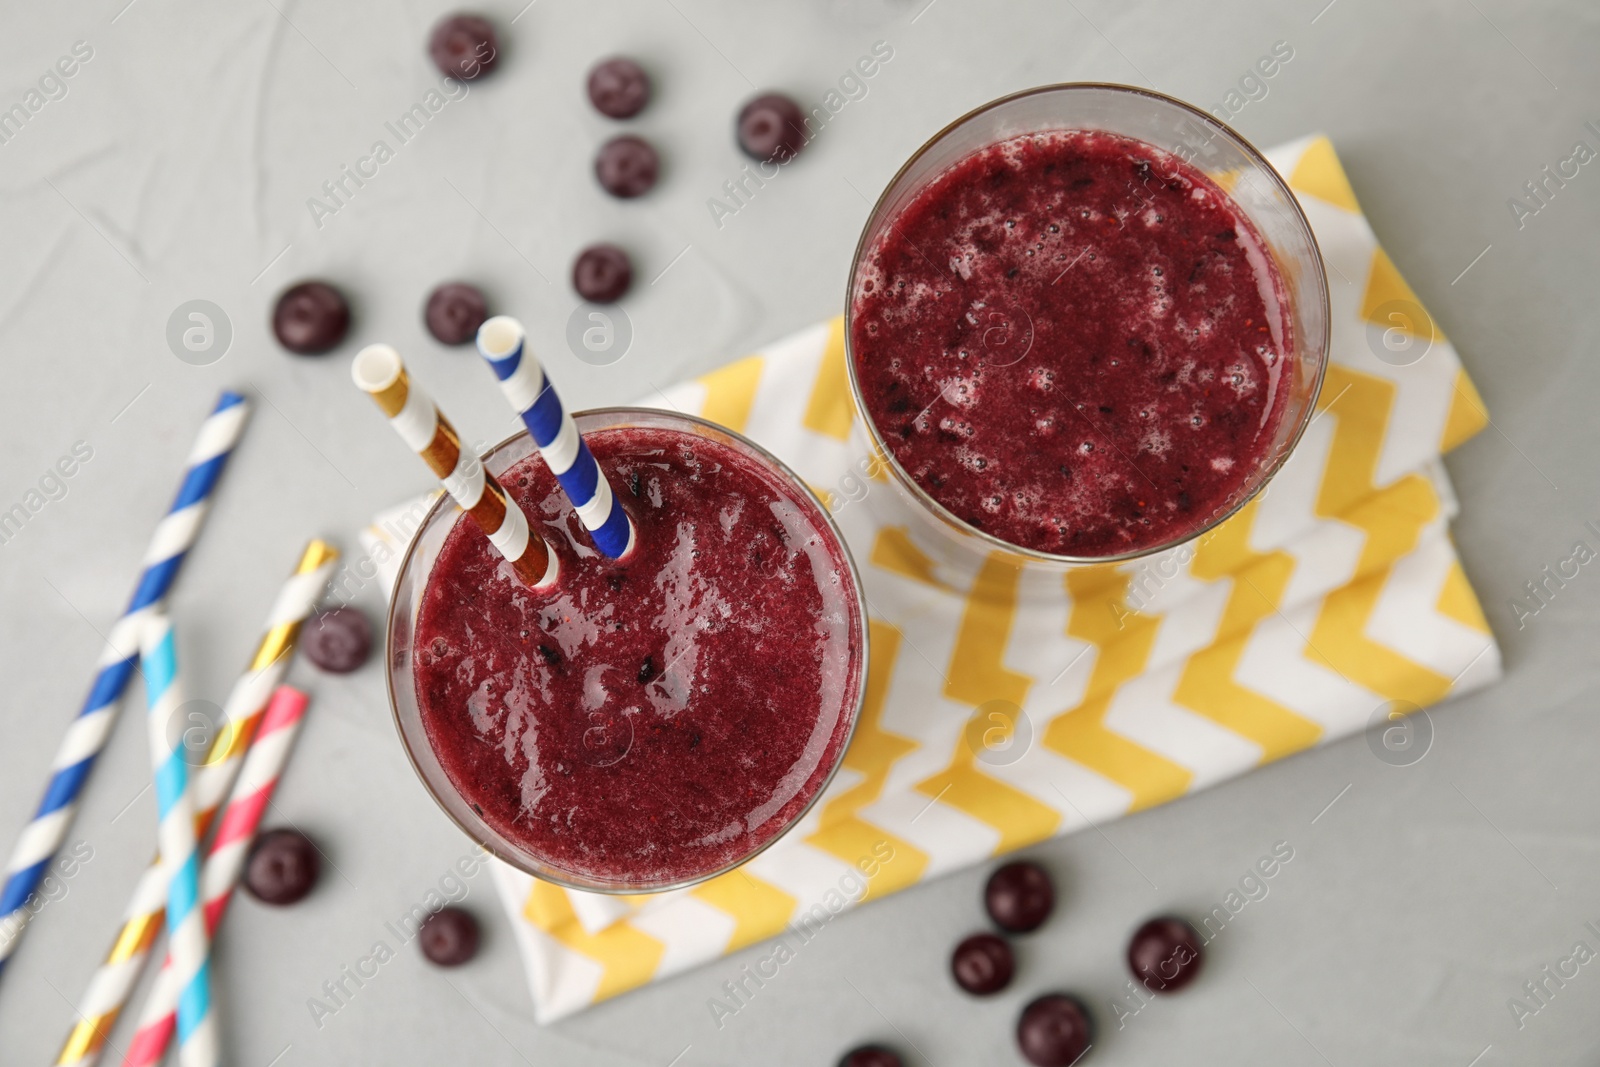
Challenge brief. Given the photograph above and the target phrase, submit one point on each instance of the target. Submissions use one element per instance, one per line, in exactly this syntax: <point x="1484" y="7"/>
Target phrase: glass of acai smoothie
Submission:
<point x="649" y="722"/>
<point x="1086" y="323"/>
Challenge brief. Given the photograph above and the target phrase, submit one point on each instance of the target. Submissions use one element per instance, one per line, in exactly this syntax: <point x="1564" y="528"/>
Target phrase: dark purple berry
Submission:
<point x="871" y="1056"/>
<point x="464" y="46"/>
<point x="627" y="166"/>
<point x="282" y="867"/>
<point x="1054" y="1031"/>
<point x="1019" y="897"/>
<point x="983" y="964"/>
<point x="455" y="311"/>
<point x="1166" y="954"/>
<point x="772" y="126"/>
<point x="449" y="937"/>
<point x="618" y="87"/>
<point x="311" y="318"/>
<point x="602" y="274"/>
<point x="338" y="641"/>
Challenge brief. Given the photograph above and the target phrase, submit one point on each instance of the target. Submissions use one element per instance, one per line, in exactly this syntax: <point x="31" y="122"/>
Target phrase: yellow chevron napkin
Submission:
<point x="1006" y="705"/>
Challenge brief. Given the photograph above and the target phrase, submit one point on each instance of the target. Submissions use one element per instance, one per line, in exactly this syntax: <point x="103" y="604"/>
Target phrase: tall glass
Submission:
<point x="1195" y="137"/>
<point x="405" y="605"/>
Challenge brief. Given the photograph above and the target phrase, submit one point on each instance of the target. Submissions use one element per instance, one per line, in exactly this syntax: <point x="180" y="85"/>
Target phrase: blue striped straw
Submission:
<point x="189" y="946"/>
<point x="501" y="342"/>
<point x="87" y="736"/>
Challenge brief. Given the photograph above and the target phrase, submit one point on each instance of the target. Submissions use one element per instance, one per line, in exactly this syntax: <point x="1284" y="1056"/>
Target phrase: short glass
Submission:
<point x="406" y="601"/>
<point x="1194" y="136"/>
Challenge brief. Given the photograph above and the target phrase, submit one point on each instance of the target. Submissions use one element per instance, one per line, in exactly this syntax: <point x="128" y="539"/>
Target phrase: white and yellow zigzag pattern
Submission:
<point x="1335" y="593"/>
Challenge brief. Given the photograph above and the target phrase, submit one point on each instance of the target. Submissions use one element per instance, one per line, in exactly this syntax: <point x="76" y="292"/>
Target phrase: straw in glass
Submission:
<point x="502" y="342"/>
<point x="379" y="372"/>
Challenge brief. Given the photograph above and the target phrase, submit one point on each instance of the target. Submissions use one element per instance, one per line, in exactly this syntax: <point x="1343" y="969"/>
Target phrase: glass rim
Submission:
<point x="861" y="638"/>
<point x="943" y="513"/>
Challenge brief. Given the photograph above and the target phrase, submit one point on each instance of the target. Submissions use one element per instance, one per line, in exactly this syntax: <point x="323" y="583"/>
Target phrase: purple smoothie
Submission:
<point x="1075" y="342"/>
<point x="655" y="720"/>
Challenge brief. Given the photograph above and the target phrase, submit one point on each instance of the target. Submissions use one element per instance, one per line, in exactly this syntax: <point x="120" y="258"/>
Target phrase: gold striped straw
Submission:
<point x="113" y="982"/>
<point x="379" y="371"/>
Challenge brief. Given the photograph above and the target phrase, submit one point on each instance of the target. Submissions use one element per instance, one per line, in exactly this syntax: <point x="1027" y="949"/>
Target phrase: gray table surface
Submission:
<point x="178" y="166"/>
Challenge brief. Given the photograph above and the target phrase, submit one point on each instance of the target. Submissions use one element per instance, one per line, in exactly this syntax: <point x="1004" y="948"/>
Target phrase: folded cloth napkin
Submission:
<point x="1006" y="705"/>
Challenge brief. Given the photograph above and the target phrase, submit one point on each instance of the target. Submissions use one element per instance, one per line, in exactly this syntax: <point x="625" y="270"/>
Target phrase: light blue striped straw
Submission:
<point x="189" y="946"/>
<point x="501" y="342"/>
<point x="87" y="736"/>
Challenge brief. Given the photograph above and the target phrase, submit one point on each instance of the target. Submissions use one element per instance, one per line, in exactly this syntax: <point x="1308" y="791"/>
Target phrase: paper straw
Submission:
<point x="114" y="980"/>
<point x="75" y="759"/>
<point x="224" y="862"/>
<point x="378" y="370"/>
<point x="502" y="341"/>
<point x="190" y="947"/>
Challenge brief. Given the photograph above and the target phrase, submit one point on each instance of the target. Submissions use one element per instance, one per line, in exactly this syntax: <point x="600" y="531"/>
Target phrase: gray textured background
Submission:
<point x="178" y="166"/>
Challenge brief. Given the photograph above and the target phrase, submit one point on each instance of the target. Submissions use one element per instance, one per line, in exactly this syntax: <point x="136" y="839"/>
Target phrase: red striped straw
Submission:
<point x="236" y="829"/>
